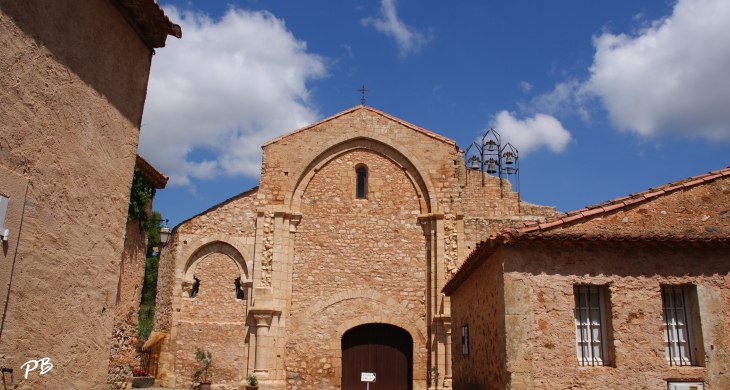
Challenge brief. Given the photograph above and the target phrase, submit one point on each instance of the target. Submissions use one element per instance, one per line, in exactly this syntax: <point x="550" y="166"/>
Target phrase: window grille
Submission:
<point x="677" y="346"/>
<point x="362" y="174"/>
<point x="590" y="326"/>
<point x="465" y="340"/>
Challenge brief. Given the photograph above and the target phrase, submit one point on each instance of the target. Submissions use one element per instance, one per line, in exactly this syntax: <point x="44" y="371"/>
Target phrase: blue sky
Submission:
<point x="602" y="98"/>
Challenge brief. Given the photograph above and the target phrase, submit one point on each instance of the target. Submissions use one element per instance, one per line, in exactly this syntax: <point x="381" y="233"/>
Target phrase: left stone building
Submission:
<point x="72" y="90"/>
<point x="334" y="264"/>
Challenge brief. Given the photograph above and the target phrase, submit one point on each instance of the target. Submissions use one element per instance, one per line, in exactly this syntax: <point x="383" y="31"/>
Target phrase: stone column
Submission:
<point x="447" y="353"/>
<point x="262" y="320"/>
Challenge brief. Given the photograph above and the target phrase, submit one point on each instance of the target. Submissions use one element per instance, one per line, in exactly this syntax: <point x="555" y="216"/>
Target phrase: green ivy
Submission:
<point x="141" y="195"/>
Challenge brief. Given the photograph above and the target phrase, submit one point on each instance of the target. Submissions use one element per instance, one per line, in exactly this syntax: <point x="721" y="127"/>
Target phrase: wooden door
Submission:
<point x="386" y="350"/>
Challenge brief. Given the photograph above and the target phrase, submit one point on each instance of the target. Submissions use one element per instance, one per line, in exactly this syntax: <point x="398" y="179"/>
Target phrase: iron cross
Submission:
<point x="363" y="90"/>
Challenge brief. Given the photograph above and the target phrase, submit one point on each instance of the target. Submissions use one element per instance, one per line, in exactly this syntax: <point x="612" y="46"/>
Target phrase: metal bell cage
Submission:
<point x="490" y="157"/>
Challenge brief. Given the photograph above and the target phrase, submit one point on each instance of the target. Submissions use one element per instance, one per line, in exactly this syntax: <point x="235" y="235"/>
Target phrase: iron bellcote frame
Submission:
<point x="490" y="157"/>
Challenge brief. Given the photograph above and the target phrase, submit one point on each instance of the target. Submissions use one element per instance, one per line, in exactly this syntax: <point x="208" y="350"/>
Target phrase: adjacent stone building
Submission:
<point x="123" y="356"/>
<point x="633" y="293"/>
<point x="334" y="265"/>
<point x="72" y="88"/>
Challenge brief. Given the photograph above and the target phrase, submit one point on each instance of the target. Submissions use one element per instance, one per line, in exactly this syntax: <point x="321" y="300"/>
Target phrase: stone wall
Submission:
<point x="429" y="157"/>
<point x="633" y="275"/>
<point x="123" y="353"/>
<point x="488" y="209"/>
<point x="213" y="320"/>
<point x="321" y="262"/>
<point x="347" y="244"/>
<point x="479" y="303"/>
<point x="74" y="77"/>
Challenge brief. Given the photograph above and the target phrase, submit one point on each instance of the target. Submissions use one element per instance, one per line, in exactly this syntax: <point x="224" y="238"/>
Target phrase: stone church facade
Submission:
<point x="358" y="222"/>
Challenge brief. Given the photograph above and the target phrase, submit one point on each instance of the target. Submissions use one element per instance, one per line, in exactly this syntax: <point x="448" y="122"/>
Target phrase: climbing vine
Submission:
<point x="142" y="193"/>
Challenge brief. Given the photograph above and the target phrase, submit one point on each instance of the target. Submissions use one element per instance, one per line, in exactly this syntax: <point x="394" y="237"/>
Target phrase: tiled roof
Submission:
<point x="149" y="20"/>
<point x="363" y="107"/>
<point x="157" y="179"/>
<point x="615" y="204"/>
<point x="486" y="248"/>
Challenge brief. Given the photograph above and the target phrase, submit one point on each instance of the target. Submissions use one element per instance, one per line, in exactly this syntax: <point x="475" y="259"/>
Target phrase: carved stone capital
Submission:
<point x="294" y="220"/>
<point x="262" y="317"/>
<point x="187" y="287"/>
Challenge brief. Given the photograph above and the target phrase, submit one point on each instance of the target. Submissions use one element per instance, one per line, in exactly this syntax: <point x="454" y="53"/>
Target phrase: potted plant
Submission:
<point x="205" y="360"/>
<point x="253" y="383"/>
<point x="141" y="379"/>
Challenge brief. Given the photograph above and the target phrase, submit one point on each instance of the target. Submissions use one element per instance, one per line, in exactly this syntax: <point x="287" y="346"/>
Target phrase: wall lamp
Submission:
<point x="164" y="230"/>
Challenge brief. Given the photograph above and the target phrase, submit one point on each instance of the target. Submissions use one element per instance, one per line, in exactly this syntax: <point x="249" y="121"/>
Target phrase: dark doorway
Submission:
<point x="386" y="350"/>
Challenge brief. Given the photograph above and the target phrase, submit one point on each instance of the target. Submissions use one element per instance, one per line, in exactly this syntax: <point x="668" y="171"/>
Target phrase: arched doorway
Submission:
<point x="384" y="349"/>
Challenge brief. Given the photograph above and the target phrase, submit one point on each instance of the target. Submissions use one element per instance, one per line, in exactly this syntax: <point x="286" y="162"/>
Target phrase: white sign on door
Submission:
<point x="367" y="377"/>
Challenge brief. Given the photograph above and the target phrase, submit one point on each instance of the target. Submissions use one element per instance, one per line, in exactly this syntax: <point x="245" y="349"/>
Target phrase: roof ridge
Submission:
<point x="617" y="203"/>
<point x="355" y="108"/>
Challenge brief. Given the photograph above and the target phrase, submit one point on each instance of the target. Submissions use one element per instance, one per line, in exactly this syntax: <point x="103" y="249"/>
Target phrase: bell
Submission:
<point x="490" y="167"/>
<point x="474" y="164"/>
<point x="509" y="158"/>
<point x="510" y="170"/>
<point x="491" y="146"/>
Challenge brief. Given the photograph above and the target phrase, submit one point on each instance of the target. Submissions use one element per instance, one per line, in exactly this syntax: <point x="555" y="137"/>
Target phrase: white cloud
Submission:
<point x="671" y="77"/>
<point x="531" y="134"/>
<point x="224" y="89"/>
<point x="409" y="39"/>
<point x="674" y="77"/>
<point x="525" y="86"/>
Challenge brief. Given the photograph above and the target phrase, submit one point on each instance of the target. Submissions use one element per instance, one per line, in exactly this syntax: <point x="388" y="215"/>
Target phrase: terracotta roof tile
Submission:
<point x="693" y="183"/>
<point x="653" y="194"/>
<point x="149" y="20"/>
<point x="573" y="217"/>
<point x="613" y="207"/>
<point x="157" y="179"/>
<point x="597" y="210"/>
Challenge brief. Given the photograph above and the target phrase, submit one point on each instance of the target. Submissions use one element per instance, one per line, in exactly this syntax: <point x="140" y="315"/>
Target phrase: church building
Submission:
<point x="335" y="264"/>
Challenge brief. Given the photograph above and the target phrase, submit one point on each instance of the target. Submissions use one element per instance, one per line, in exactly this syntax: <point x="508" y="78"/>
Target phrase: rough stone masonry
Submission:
<point x="314" y="260"/>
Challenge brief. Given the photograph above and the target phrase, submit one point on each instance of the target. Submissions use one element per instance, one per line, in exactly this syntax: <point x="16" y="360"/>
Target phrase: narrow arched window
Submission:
<point x="362" y="180"/>
<point x="240" y="293"/>
<point x="196" y="287"/>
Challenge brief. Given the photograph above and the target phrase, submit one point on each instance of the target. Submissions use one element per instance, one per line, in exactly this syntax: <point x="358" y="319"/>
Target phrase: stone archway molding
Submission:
<point x="404" y="317"/>
<point x="378" y="144"/>
<point x="400" y="316"/>
<point x="233" y="247"/>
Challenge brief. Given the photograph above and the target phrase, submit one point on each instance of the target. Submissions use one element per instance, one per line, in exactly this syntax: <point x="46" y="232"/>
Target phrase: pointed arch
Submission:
<point x="204" y="248"/>
<point x="401" y="158"/>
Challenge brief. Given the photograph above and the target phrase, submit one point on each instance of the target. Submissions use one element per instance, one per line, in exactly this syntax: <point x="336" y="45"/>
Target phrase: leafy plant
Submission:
<point x="205" y="360"/>
<point x="140" y="195"/>
<point x="252" y="380"/>
<point x="146" y="313"/>
<point x="435" y="377"/>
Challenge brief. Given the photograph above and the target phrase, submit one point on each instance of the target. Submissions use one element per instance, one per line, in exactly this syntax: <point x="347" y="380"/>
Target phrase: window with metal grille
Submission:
<point x="677" y="326"/>
<point x="362" y="175"/>
<point x="590" y="325"/>
<point x="465" y="340"/>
